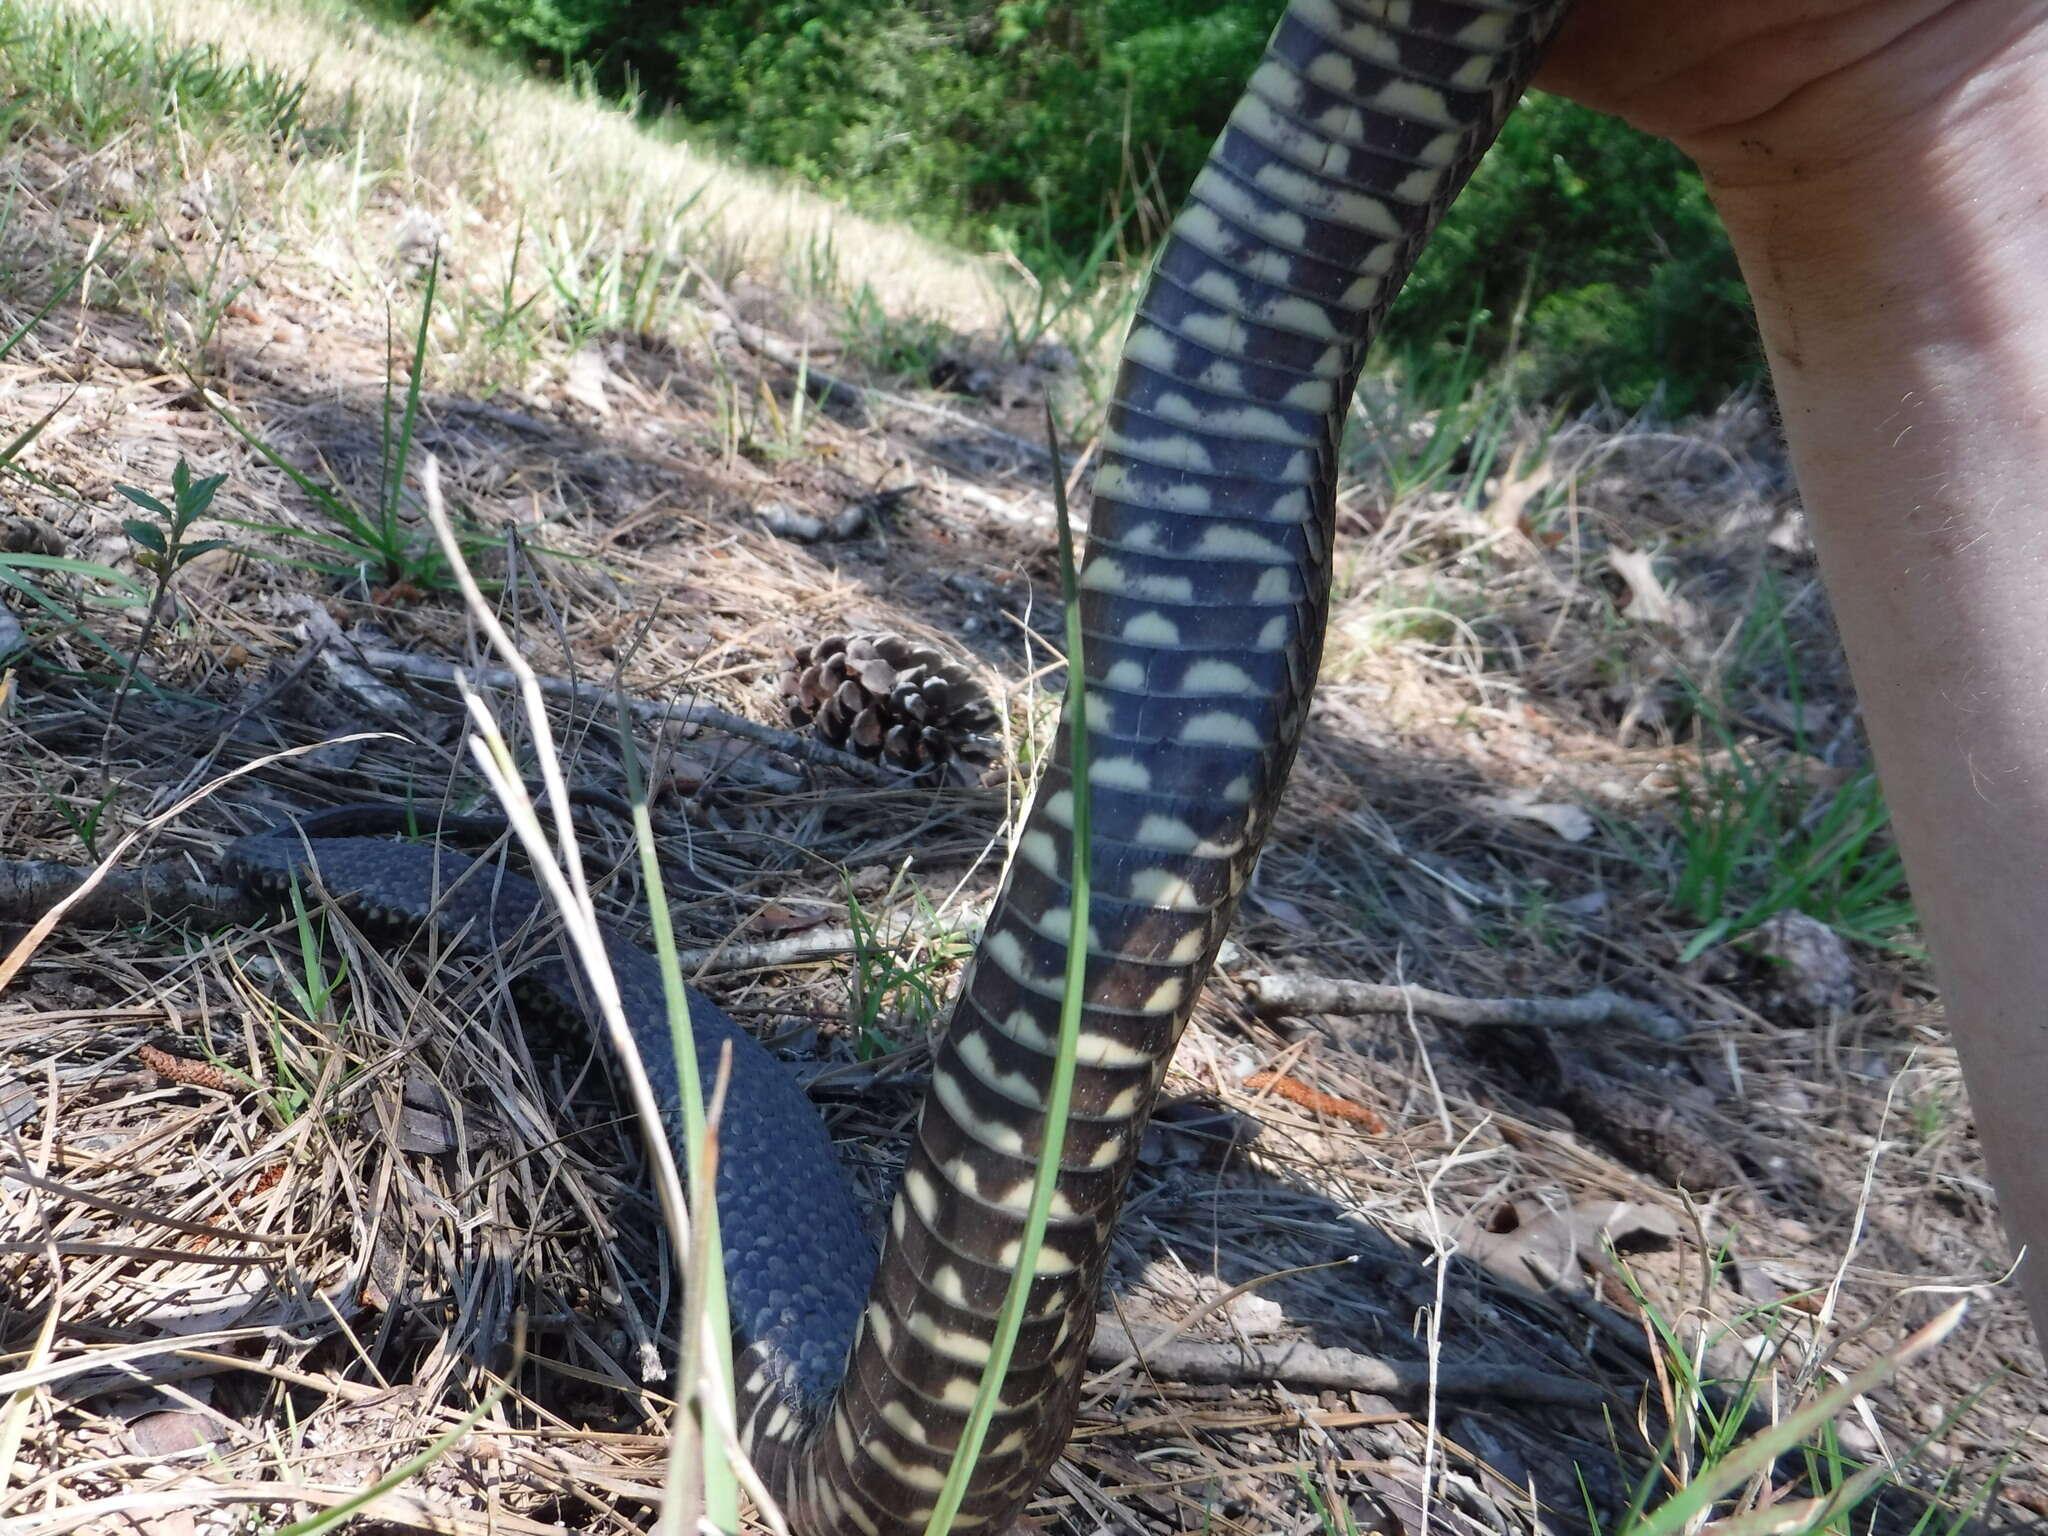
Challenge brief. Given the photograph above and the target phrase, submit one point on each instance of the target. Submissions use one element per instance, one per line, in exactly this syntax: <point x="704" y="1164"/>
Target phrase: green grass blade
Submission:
<point x="721" y="1487"/>
<point x="394" y="470"/>
<point x="133" y="590"/>
<point x="57" y="296"/>
<point x="361" y="531"/>
<point x="28" y="434"/>
<point x="66" y="620"/>
<point x="1757" y="1454"/>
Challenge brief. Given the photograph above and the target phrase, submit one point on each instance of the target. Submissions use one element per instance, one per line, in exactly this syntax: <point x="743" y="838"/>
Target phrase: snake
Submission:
<point x="1203" y="598"/>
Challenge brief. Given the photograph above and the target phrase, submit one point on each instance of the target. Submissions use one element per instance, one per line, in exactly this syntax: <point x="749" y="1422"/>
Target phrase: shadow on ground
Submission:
<point x="406" y="1166"/>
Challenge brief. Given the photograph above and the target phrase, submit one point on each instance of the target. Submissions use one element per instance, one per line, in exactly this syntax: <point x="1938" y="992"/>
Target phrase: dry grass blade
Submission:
<point x="406" y="1471"/>
<point x="560" y="865"/>
<point x="561" y="871"/>
<point x="26" y="946"/>
<point x="401" y="1509"/>
<point x="14" y="1415"/>
<point x="121" y="1355"/>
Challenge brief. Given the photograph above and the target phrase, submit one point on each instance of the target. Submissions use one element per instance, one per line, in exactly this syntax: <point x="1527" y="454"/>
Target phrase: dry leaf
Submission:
<point x="1552" y="1247"/>
<point x="870" y="880"/>
<point x="1570" y="822"/>
<point x="1281" y="908"/>
<point x="1517" y="488"/>
<point x="1648" y="600"/>
<point x="587" y="376"/>
<point x="777" y="918"/>
<point x="1254" y="1315"/>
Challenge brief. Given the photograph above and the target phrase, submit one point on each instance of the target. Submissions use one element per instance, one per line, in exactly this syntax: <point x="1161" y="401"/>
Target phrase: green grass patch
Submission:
<point x="1717" y="1465"/>
<point x="1065" y="131"/>
<point x="1752" y="841"/>
<point x="90" y="81"/>
<point x="887" y="984"/>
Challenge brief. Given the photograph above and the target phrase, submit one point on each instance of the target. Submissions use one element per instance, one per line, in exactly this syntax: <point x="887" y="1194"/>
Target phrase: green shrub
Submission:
<point x="1035" y="125"/>
<point x="1607" y="238"/>
<point x="567" y="29"/>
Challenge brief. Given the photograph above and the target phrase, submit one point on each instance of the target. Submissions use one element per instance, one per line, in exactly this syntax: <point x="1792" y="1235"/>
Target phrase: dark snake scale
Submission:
<point x="1203" y="600"/>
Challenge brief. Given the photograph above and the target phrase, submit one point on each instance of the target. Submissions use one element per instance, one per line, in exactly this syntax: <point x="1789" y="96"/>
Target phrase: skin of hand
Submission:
<point x="1759" y="92"/>
<point x="1878" y="164"/>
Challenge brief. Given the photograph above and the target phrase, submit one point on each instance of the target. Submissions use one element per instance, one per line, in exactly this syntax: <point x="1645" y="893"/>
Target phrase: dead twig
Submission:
<point x="433" y="669"/>
<point x="1342" y="1370"/>
<point x="822" y="943"/>
<point x="30" y="887"/>
<point x="1277" y="995"/>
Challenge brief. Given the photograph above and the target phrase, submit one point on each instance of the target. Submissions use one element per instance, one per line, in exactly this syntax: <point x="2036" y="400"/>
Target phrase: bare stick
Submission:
<point x="45" y="923"/>
<point x="1276" y="995"/>
<point x="821" y="943"/>
<point x="682" y="712"/>
<point x="30" y="887"/>
<point x="1342" y="1370"/>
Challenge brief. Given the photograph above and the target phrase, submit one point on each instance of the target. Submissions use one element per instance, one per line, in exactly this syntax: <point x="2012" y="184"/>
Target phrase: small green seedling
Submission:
<point x="160" y="546"/>
<point x="162" y="550"/>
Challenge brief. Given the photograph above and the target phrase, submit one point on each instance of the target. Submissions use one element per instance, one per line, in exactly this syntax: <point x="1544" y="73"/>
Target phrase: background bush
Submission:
<point x="1041" y="125"/>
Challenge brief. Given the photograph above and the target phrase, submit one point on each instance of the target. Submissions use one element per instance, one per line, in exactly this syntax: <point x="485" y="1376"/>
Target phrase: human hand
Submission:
<point x="1775" y="93"/>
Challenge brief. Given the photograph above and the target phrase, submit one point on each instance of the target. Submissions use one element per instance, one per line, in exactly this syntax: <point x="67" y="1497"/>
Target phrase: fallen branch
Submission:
<point x="30" y="887"/>
<point x="1276" y="995"/>
<point x="683" y="712"/>
<point x="1341" y="1370"/>
<point x="822" y="943"/>
<point x="42" y="925"/>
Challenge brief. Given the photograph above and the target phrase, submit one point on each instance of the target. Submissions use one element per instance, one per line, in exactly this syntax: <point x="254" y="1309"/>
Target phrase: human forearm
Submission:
<point x="1903" y="299"/>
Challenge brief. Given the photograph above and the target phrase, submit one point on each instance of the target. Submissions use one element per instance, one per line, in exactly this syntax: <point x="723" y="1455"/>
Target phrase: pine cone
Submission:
<point x="894" y="701"/>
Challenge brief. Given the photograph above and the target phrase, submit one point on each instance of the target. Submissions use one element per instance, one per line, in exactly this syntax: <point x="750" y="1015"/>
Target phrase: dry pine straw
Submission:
<point x="487" y="1206"/>
<point x="405" y="1141"/>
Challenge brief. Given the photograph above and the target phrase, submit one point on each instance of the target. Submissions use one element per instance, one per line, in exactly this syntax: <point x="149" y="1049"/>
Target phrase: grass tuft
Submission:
<point x="1751" y="842"/>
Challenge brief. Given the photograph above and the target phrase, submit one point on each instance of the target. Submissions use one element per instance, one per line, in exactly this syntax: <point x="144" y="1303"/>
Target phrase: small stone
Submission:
<point x="1818" y="972"/>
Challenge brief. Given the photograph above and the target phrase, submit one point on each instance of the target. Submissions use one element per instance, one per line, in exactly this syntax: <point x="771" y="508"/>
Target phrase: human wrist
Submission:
<point x="1926" y="227"/>
<point x="1903" y="301"/>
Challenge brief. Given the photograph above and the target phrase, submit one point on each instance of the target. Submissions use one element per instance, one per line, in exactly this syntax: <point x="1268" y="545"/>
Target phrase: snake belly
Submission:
<point x="1203" y="595"/>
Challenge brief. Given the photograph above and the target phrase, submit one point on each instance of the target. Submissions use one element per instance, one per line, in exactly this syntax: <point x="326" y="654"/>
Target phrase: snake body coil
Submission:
<point x="1203" y="599"/>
